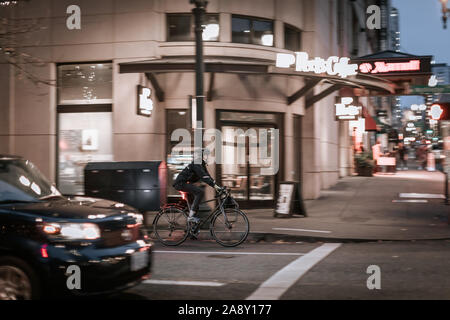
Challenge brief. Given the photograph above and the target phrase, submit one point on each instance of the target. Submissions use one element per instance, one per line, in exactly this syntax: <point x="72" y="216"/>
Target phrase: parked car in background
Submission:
<point x="51" y="244"/>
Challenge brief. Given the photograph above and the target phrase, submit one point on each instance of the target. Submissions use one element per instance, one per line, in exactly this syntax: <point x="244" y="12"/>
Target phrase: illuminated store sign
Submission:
<point x="145" y="104"/>
<point x="385" y="67"/>
<point x="332" y="66"/>
<point x="436" y="112"/>
<point x="346" y="111"/>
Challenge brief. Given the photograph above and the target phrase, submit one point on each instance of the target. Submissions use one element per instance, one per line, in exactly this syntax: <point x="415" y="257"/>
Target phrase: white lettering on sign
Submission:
<point x="332" y="66"/>
<point x="145" y="103"/>
<point x="346" y="111"/>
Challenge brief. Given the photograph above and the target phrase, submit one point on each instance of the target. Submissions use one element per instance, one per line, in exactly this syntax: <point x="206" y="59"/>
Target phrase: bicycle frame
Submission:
<point x="220" y="206"/>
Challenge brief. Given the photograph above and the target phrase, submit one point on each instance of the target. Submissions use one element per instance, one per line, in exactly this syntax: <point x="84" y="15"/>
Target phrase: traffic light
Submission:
<point x="440" y="111"/>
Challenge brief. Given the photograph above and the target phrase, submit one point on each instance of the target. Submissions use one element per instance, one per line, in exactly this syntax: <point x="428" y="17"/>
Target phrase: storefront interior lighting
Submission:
<point x="267" y="40"/>
<point x="7" y="3"/>
<point x="211" y="32"/>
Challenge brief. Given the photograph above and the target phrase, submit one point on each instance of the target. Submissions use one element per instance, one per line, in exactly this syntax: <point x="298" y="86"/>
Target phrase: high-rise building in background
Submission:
<point x="394" y="30"/>
<point x="389" y="40"/>
<point x="442" y="73"/>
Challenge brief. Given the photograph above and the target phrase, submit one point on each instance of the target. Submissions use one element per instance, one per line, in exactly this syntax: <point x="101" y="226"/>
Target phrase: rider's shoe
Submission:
<point x="194" y="234"/>
<point x="194" y="220"/>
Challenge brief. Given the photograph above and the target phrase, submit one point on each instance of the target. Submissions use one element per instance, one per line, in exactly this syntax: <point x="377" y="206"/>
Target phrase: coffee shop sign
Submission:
<point x="332" y="66"/>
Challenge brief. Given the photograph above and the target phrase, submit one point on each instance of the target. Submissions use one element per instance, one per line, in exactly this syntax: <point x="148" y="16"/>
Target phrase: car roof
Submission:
<point x="9" y="157"/>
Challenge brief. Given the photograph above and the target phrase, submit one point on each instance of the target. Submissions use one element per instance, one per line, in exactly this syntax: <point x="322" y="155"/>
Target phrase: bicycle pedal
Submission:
<point x="194" y="234"/>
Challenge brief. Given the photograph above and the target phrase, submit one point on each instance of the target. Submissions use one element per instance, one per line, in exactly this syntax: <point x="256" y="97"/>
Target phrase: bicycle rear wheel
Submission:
<point x="231" y="229"/>
<point x="171" y="226"/>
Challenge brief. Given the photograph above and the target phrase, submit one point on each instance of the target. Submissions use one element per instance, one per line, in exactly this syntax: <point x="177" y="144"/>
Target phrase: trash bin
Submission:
<point x="142" y="184"/>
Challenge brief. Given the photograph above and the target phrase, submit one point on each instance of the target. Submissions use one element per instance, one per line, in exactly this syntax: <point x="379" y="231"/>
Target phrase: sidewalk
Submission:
<point x="362" y="209"/>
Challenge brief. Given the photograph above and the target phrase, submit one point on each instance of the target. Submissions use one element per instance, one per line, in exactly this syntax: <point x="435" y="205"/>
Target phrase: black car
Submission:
<point x="52" y="245"/>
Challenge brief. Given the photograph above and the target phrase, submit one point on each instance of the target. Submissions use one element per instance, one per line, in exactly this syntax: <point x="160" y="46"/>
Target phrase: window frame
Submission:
<point x="295" y="29"/>
<point x="252" y="32"/>
<point x="191" y="28"/>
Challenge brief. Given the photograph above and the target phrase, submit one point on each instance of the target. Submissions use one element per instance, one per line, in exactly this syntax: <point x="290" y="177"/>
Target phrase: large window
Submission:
<point x="242" y="167"/>
<point x="80" y="84"/>
<point x="252" y="31"/>
<point x="292" y="38"/>
<point x="180" y="27"/>
<point x="84" y="121"/>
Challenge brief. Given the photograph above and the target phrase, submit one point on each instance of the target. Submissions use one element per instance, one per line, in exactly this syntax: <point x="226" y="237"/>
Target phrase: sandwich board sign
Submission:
<point x="289" y="200"/>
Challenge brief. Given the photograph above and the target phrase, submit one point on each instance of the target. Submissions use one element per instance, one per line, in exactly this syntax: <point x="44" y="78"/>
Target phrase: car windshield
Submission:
<point x="21" y="181"/>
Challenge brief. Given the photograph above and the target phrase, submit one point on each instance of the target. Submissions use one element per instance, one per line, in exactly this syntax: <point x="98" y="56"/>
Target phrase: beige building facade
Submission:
<point x="90" y="114"/>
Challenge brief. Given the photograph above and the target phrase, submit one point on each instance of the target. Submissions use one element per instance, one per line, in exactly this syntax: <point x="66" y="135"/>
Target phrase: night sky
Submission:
<point x="422" y="33"/>
<point x="421" y="29"/>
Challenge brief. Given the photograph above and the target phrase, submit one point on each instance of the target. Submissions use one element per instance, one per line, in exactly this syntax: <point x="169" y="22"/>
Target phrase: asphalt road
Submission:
<point x="203" y="270"/>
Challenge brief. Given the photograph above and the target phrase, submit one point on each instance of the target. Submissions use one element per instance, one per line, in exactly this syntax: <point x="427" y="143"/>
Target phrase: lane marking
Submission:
<point x="233" y="253"/>
<point x="303" y="230"/>
<point x="422" y="195"/>
<point x="274" y="287"/>
<point x="185" y="283"/>
<point x="410" y="201"/>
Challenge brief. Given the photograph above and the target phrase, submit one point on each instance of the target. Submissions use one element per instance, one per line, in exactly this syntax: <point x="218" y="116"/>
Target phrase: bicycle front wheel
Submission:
<point x="230" y="229"/>
<point x="171" y="226"/>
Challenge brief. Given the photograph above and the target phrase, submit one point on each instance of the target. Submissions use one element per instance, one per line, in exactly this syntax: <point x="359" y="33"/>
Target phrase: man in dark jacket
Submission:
<point x="194" y="172"/>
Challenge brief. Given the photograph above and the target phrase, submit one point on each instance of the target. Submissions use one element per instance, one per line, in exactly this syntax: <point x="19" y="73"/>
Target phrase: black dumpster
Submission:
<point x="140" y="184"/>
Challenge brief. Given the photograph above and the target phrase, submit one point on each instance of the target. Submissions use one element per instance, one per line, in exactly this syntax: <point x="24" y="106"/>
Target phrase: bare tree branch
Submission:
<point x="12" y="50"/>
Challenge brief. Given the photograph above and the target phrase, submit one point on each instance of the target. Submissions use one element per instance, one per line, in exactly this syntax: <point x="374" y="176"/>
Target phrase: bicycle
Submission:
<point x="229" y="226"/>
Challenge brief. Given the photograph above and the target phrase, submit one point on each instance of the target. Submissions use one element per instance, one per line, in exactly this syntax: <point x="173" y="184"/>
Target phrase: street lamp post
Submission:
<point x="199" y="15"/>
<point x="445" y="10"/>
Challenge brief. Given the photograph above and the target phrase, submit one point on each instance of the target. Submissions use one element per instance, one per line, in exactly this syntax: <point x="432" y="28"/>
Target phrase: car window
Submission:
<point x="21" y="180"/>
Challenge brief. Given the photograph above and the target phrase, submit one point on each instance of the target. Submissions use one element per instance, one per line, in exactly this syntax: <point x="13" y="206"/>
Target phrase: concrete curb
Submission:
<point x="281" y="237"/>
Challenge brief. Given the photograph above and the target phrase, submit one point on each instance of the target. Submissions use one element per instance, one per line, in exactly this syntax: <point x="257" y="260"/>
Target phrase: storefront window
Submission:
<point x="242" y="167"/>
<point x="292" y="38"/>
<point x="83" y="137"/>
<point x="84" y="121"/>
<point x="80" y="84"/>
<point x="252" y="31"/>
<point x="180" y="27"/>
<point x="178" y="152"/>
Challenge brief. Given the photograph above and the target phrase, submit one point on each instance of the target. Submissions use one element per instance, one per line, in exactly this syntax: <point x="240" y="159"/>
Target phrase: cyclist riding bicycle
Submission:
<point x="194" y="172"/>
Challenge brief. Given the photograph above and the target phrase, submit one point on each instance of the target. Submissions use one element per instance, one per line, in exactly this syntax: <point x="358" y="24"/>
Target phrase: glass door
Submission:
<point x="234" y="161"/>
<point x="244" y="164"/>
<point x="262" y="184"/>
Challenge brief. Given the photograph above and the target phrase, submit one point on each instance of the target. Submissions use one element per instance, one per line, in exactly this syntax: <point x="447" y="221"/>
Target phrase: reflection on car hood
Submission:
<point x="73" y="208"/>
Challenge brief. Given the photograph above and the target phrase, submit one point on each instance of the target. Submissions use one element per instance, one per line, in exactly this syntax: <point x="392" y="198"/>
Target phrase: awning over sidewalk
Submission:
<point x="370" y="123"/>
<point x="251" y="66"/>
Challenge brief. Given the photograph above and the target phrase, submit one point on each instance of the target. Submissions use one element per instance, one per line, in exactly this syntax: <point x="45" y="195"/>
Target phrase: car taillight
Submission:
<point x="44" y="253"/>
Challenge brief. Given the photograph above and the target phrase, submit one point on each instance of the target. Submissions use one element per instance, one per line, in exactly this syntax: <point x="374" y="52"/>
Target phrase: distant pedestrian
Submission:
<point x="421" y="154"/>
<point x="402" y="156"/>
<point x="376" y="154"/>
